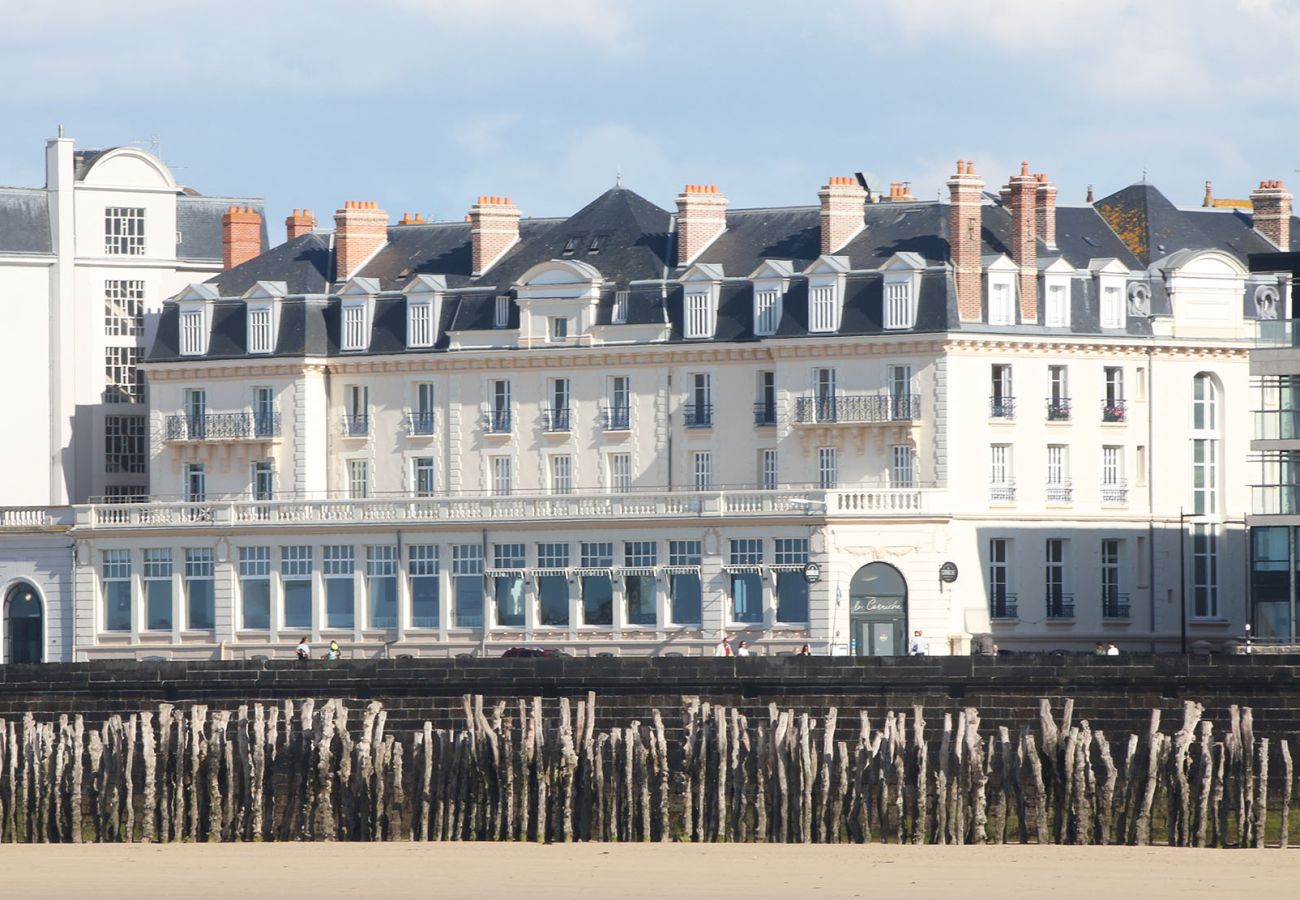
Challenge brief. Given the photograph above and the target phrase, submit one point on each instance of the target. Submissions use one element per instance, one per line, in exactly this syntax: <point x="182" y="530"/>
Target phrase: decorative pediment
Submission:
<point x="1057" y="266"/>
<point x="999" y="262"/>
<point x="356" y="288"/>
<point x="702" y="272"/>
<point x="828" y="265"/>
<point x="1107" y="265"/>
<point x="266" y="290"/>
<point x="773" y="268"/>
<point x="199" y="292"/>
<point x="560" y="272"/>
<point x="425" y="284"/>
<point x="904" y="260"/>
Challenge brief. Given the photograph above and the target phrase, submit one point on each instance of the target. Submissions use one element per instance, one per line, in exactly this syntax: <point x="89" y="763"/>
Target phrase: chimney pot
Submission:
<point x="1271" y="212"/>
<point x="701" y="217"/>
<point x="843" y="208"/>
<point x="360" y="228"/>
<point x="298" y="224"/>
<point x="494" y="229"/>
<point x="241" y="236"/>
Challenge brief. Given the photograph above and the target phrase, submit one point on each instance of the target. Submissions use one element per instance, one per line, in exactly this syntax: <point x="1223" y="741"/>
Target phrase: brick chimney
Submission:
<point x="494" y="229"/>
<point x="1272" y="213"/>
<point x="360" y="228"/>
<point x="965" y="191"/>
<point x="298" y="224"/>
<point x="701" y="217"/>
<point x="241" y="235"/>
<point x="1024" y="230"/>
<point x="844" y="204"/>
<point x="1047" y="212"/>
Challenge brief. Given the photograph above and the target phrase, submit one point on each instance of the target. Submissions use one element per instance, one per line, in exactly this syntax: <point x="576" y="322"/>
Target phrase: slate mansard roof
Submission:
<point x="631" y="242"/>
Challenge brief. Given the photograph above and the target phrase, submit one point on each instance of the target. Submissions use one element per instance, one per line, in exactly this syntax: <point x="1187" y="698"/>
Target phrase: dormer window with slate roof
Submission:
<point x="260" y="331"/>
<point x="355" y="331"/>
<point x="262" y="312"/>
<point x="194" y="332"/>
<point x="620" y="307"/>
<point x="1001" y="290"/>
<point x="1112" y="306"/>
<point x="902" y="281"/>
<point x="699" y="314"/>
<point x="356" y="313"/>
<point x="1056" y="294"/>
<point x="700" y="286"/>
<point x="501" y="312"/>
<point x="423" y="306"/>
<point x="826" y="293"/>
<point x="771" y="281"/>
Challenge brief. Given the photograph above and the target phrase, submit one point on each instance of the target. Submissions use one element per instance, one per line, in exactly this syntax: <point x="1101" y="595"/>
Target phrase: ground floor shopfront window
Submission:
<point x="1275" y="573"/>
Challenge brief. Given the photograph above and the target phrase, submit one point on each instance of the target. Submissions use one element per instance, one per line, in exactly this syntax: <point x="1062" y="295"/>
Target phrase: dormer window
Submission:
<point x="501" y="312"/>
<point x="1057" y="306"/>
<point x="594" y="247"/>
<point x="620" y="307"/>
<point x="559" y="329"/>
<point x="900" y="307"/>
<point x="355" y="327"/>
<point x="767" y="311"/>
<point x="823" y="314"/>
<point x="1001" y="302"/>
<point x="261" y="333"/>
<point x="570" y="247"/>
<point x="419" y="323"/>
<point x="699" y="314"/>
<point x="194" y="333"/>
<point x="1112" y="307"/>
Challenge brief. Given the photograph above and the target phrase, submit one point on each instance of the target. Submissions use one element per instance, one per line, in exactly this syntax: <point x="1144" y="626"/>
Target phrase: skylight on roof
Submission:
<point x="570" y="246"/>
<point x="595" y="245"/>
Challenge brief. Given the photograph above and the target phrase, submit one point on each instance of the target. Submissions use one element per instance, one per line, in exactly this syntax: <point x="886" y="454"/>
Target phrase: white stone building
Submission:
<point x="632" y="432"/>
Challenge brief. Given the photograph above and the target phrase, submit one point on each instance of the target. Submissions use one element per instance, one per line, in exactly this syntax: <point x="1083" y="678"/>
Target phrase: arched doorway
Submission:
<point x="24" y="625"/>
<point x="878" y="611"/>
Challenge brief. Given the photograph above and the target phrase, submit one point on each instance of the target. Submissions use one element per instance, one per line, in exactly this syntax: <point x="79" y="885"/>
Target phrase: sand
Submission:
<point x="248" y="871"/>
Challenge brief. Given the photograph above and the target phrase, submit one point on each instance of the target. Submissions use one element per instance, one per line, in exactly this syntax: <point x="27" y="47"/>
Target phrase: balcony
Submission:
<point x="857" y="409"/>
<point x="1059" y="492"/>
<point x="1058" y="409"/>
<point x="1272" y="333"/>
<point x="699" y="415"/>
<point x="497" y="421"/>
<point x="1002" y="407"/>
<point x="1114" y="410"/>
<point x="1115" y="605"/>
<point x="1275" y="500"/>
<point x="615" y="418"/>
<point x="781" y="504"/>
<point x="1002" y="491"/>
<point x="1060" y="606"/>
<point x="1114" y="492"/>
<point x="555" y="418"/>
<point x="1277" y="425"/>
<point x="420" y="423"/>
<point x="1004" y="607"/>
<point x="764" y="413"/>
<point x="233" y="426"/>
<point x="356" y="425"/>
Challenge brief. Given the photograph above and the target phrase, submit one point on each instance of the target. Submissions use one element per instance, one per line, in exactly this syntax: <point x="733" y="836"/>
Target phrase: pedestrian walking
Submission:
<point x="919" y="646"/>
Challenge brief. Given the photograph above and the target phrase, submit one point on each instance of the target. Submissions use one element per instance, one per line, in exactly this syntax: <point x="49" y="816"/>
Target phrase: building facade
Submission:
<point x="628" y="431"/>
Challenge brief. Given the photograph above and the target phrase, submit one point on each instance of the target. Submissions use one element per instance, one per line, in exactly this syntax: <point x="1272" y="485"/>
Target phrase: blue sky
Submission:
<point x="423" y="104"/>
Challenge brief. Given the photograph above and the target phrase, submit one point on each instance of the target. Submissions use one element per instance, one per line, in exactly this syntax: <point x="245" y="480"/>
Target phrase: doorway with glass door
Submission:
<point x="878" y="611"/>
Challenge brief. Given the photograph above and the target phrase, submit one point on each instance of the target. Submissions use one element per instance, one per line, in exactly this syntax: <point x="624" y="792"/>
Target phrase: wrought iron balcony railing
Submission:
<point x="1002" y="491"/>
<point x="764" y="413"/>
<point x="230" y="426"/>
<point x="1060" y="606"/>
<point x="555" y="418"/>
<point x="497" y="421"/>
<point x="421" y="422"/>
<point x="615" y="418"/>
<point x="1058" y="409"/>
<point x="855" y="409"/>
<point x="1115" y="605"/>
<point x="1004" y="605"/>
<point x="1114" y="410"/>
<point x="699" y="415"/>
<point x="1002" y="407"/>
<point x="1114" y="492"/>
<point x="356" y="424"/>
<point x="1059" y="491"/>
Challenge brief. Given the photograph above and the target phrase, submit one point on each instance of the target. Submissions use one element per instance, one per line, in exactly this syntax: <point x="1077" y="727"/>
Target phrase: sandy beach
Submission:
<point x="107" y="872"/>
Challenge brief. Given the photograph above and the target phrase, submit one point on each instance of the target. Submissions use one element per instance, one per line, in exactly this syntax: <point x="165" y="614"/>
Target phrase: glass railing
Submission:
<point x="1277" y="424"/>
<point x="1277" y="333"/>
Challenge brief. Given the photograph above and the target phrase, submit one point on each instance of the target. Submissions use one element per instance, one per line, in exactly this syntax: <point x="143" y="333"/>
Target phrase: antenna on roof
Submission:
<point x="1144" y="174"/>
<point x="618" y="177"/>
<point x="60" y="130"/>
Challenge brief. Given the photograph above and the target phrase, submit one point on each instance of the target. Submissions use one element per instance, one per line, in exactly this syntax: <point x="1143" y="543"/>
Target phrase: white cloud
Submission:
<point x="602" y="22"/>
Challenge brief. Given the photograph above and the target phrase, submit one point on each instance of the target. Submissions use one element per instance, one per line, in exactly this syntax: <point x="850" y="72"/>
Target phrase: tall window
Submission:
<point x="702" y="465"/>
<point x="620" y="307"/>
<point x="767" y="470"/>
<point x="467" y="584"/>
<point x="340" y="586"/>
<point x="264" y="415"/>
<point x="1112" y="466"/>
<point x="1114" y="384"/>
<point x="765" y="407"/>
<point x="422" y="417"/>
<point x="1058" y="307"/>
<point x="501" y="311"/>
<point x="1110" y="577"/>
<point x="199" y="598"/>
<point x="1001" y="311"/>
<point x="115" y="575"/>
<point x="422" y="476"/>
<point x="1054" y="579"/>
<point x="827" y="468"/>
<point x="561" y="474"/>
<point x="1058" y="393"/>
<point x="553" y="584"/>
<point x="502" y="482"/>
<point x="620" y="472"/>
<point x="791" y="586"/>
<point x="124" y="231"/>
<point x="193" y="339"/>
<point x="1000" y="465"/>
<point x="123" y="307"/>
<point x="508" y="561"/>
<point x="259" y="330"/>
<point x="900" y="472"/>
<point x="1112" y="308"/>
<point x="419" y="324"/>
<point x="1205" y="445"/>
<point x="557" y="412"/>
<point x="499" y="415"/>
<point x="354" y="328"/>
<point x="263" y="479"/>
<point x="125" y="444"/>
<point x="158" y="589"/>
<point x="381" y="586"/>
<point x="900" y="392"/>
<point x="1002" y="400"/>
<point x="196" y="483"/>
<point x="746" y="571"/>
<point x="640" y="558"/>
<point x="699" y="317"/>
<point x="618" y="413"/>
<point x="422" y="573"/>
<point x="825" y="394"/>
<point x="766" y="312"/>
<point x="358" y="479"/>
<point x="255" y="587"/>
<point x="684" y="559"/>
<point x="597" y="558"/>
<point x="122" y="375"/>
<point x="295" y="582"/>
<point x="900" y="312"/>
<point x="1001" y="606"/>
<point x="822" y="312"/>
<point x="1205" y="571"/>
<point x="1056" y="470"/>
<point x="356" y="422"/>
<point x="699" y="405"/>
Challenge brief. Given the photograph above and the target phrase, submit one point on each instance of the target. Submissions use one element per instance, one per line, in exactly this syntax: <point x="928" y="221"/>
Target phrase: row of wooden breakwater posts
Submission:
<point x="318" y="771"/>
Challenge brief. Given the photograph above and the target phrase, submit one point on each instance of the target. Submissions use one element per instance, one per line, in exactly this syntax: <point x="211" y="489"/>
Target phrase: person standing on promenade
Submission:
<point x="919" y="646"/>
<point x="723" y="648"/>
<point x="304" y="649"/>
<point x="1111" y="649"/>
<point x="743" y="649"/>
<point x="805" y="650"/>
